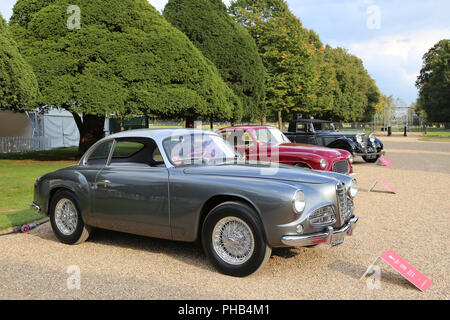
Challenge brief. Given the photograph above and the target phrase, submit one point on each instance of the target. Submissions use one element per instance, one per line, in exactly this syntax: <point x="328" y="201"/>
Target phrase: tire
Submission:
<point x="253" y="248"/>
<point x="69" y="230"/>
<point x="371" y="160"/>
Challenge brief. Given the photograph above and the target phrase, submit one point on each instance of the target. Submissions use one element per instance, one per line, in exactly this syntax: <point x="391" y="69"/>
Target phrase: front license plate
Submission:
<point x="371" y="157"/>
<point x="337" y="242"/>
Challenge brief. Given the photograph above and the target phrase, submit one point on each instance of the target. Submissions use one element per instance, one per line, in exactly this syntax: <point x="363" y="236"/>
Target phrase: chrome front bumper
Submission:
<point x="330" y="237"/>
<point x="35" y="207"/>
<point x="381" y="153"/>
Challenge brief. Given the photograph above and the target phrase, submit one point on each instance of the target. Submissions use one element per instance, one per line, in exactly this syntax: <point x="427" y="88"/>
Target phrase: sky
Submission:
<point x="390" y="36"/>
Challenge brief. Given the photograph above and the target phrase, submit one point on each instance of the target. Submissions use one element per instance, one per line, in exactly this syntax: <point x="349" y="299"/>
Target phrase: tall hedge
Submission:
<point x="287" y="52"/>
<point x="227" y="44"/>
<point x="125" y="59"/>
<point x="18" y="85"/>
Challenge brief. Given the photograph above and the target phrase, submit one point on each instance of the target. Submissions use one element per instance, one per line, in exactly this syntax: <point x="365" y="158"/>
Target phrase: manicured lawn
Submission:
<point x="438" y="139"/>
<point x="18" y="172"/>
<point x="438" y="133"/>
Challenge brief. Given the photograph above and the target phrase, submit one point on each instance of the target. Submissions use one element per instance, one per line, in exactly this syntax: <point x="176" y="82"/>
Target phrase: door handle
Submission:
<point x="104" y="183"/>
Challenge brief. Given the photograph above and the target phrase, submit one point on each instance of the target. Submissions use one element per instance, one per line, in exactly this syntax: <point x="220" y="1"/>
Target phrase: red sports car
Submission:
<point x="268" y="144"/>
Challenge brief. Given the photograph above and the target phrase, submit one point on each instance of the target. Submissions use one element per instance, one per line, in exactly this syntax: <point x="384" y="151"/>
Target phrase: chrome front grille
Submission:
<point x="366" y="142"/>
<point x="324" y="216"/>
<point x="341" y="167"/>
<point x="345" y="204"/>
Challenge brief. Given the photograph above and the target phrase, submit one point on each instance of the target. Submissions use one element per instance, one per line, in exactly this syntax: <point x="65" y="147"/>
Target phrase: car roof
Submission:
<point x="244" y="127"/>
<point x="156" y="134"/>
<point x="312" y="120"/>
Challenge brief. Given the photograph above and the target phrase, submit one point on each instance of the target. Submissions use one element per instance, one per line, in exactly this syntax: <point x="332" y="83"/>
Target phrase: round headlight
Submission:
<point x="372" y="138"/>
<point x="350" y="159"/>
<point x="353" y="191"/>
<point x="323" y="163"/>
<point x="359" y="138"/>
<point x="299" y="203"/>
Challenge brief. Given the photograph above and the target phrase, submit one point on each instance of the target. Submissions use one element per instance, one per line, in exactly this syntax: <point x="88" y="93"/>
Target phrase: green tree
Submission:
<point x="356" y="96"/>
<point x="18" y="84"/>
<point x="124" y="59"/>
<point x="227" y="44"/>
<point x="288" y="52"/>
<point x="434" y="83"/>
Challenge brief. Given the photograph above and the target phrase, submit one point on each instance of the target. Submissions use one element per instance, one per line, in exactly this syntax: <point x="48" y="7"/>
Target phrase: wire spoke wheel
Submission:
<point x="66" y="216"/>
<point x="233" y="240"/>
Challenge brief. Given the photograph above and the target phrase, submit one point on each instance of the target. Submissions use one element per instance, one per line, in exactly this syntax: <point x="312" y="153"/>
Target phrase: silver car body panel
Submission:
<point x="171" y="202"/>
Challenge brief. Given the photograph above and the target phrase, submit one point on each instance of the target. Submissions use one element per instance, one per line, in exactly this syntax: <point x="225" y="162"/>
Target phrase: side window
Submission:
<point x="234" y="137"/>
<point x="303" y="128"/>
<point x="225" y="135"/>
<point x="247" y="139"/>
<point x="317" y="126"/>
<point x="126" y="149"/>
<point x="136" y="152"/>
<point x="157" y="157"/>
<point x="100" y="155"/>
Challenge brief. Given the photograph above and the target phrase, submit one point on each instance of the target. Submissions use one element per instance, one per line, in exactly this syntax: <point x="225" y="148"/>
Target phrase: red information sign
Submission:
<point x="384" y="184"/>
<point x="406" y="270"/>
<point x="386" y="162"/>
<point x="388" y="186"/>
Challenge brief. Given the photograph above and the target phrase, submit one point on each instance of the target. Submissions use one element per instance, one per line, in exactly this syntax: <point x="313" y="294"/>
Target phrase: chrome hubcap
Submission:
<point x="66" y="217"/>
<point x="233" y="240"/>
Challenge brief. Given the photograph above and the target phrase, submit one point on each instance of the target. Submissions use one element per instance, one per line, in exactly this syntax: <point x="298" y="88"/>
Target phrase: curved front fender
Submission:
<point x="311" y="159"/>
<point x="343" y="143"/>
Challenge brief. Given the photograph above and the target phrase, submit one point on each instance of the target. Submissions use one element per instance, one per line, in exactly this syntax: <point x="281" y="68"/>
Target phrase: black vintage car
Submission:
<point x="323" y="133"/>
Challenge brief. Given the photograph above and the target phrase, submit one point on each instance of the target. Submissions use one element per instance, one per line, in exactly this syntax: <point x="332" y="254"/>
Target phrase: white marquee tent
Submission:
<point x="32" y="131"/>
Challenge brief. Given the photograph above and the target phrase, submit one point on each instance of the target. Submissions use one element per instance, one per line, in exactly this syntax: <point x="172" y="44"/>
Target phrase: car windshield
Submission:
<point x="270" y="136"/>
<point x="195" y="149"/>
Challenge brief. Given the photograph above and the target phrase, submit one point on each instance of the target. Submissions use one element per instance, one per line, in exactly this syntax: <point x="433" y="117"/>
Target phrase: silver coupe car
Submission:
<point x="186" y="185"/>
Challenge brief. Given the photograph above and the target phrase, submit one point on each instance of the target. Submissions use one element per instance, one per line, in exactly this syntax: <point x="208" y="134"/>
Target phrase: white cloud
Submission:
<point x="407" y="45"/>
<point x="395" y="60"/>
<point x="158" y="4"/>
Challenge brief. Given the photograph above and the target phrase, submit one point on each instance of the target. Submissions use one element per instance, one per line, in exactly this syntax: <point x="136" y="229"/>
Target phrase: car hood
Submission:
<point x="267" y="171"/>
<point x="321" y="151"/>
<point x="341" y="134"/>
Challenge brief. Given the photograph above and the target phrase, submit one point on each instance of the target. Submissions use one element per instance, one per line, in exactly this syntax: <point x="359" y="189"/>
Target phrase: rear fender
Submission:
<point x="73" y="181"/>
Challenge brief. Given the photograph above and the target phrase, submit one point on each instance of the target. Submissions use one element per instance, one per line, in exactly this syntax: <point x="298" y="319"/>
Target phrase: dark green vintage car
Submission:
<point x="186" y="185"/>
<point x="323" y="133"/>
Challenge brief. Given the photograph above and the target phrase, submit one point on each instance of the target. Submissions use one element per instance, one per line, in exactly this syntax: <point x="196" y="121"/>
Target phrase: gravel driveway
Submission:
<point x="113" y="265"/>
